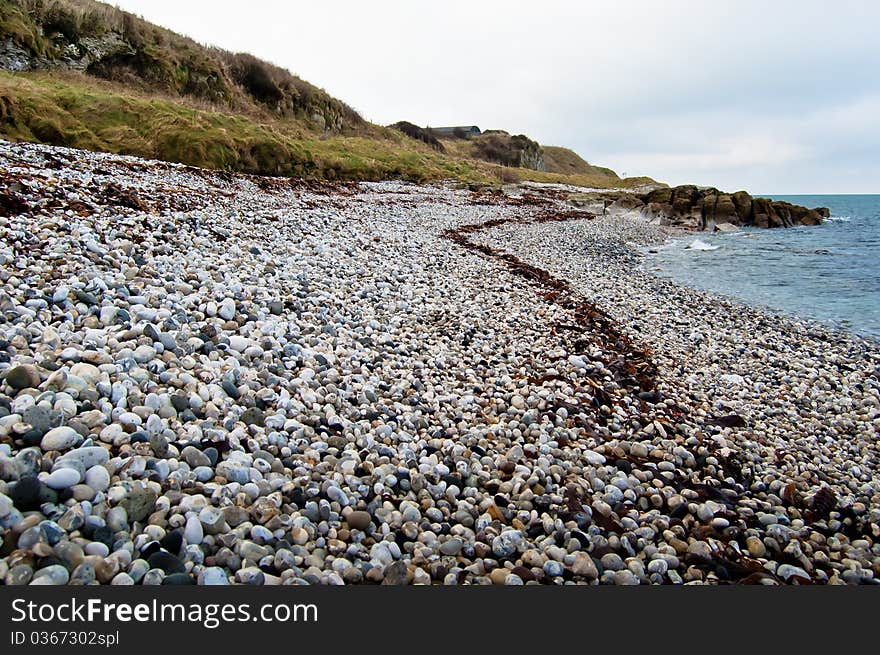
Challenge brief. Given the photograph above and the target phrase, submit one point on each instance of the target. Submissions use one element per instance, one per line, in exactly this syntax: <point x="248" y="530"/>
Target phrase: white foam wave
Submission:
<point x="698" y="244"/>
<point x="839" y="219"/>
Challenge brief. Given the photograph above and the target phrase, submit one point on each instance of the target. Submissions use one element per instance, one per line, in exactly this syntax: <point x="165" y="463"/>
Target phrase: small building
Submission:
<point x="458" y="131"/>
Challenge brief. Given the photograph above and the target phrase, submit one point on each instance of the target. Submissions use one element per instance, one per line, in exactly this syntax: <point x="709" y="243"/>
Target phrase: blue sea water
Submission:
<point x="830" y="273"/>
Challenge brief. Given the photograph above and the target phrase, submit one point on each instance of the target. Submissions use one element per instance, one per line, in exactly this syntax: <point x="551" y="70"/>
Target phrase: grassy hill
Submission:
<point x="567" y="162"/>
<point x="87" y="75"/>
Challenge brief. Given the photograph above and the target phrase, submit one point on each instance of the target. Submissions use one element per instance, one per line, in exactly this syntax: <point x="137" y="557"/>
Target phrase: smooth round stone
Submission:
<point x="756" y="547"/>
<point x="51" y="575"/>
<point x="130" y="419"/>
<point x="226" y="309"/>
<point x="625" y="578"/>
<point x="787" y="571"/>
<point x="98" y="478"/>
<point x="20" y="574"/>
<point x="84" y="574"/>
<point x="193" y="532"/>
<point x="41" y="419"/>
<point x="82" y="492"/>
<point x="153" y="578"/>
<point x="97" y="548"/>
<point x="261" y="534"/>
<point x="299" y="536"/>
<point x="51" y="532"/>
<point x="195" y="457"/>
<point x="122" y="579"/>
<point x="61" y="438"/>
<point x="5" y="506"/>
<point x="239" y="344"/>
<point x="553" y="568"/>
<point x="85" y="456"/>
<point x="203" y="473"/>
<point x="88" y="372"/>
<point x="25" y="376"/>
<point x="612" y="562"/>
<point x="138" y="569"/>
<point x="144" y="354"/>
<point x="117" y="519"/>
<point x="62" y="479"/>
<point x="359" y="520"/>
<point x="213" y="576"/>
<point x="452" y="546"/>
<point x="70" y="553"/>
<point x="659" y="566"/>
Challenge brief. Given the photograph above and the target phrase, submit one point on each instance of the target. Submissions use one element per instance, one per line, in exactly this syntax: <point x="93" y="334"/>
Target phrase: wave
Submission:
<point x="839" y="219"/>
<point x="697" y="244"/>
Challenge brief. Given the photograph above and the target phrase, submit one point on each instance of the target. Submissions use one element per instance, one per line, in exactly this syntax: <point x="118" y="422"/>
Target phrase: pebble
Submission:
<point x="215" y="402"/>
<point x="62" y="478"/>
<point x="61" y="438"/>
<point x="25" y="376"/>
<point x="359" y="520"/>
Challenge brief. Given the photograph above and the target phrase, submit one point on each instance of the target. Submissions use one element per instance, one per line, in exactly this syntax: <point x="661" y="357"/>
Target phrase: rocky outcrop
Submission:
<point x="704" y="208"/>
<point x="701" y="208"/>
<point x="499" y="147"/>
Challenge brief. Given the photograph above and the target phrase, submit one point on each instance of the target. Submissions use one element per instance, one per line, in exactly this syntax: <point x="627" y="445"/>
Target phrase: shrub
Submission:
<point x="256" y="78"/>
<point x="420" y="134"/>
<point x="63" y="21"/>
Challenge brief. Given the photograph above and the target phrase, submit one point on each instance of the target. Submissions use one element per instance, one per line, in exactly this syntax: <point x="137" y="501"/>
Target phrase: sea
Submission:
<point x="829" y="273"/>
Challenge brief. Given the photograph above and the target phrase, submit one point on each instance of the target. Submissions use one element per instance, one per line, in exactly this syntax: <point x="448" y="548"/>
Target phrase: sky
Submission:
<point x="771" y="97"/>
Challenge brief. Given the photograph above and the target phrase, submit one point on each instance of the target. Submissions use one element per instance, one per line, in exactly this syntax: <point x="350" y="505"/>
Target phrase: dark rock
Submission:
<point x="150" y="549"/>
<point x="85" y="297"/>
<point x="230" y="389"/>
<point x="173" y="541"/>
<point x="166" y="562"/>
<point x="26" y="494"/>
<point x="359" y="520"/>
<point x="730" y="421"/>
<point x="180" y="402"/>
<point x="253" y="416"/>
<point x="396" y="574"/>
<point x="25" y="376"/>
<point x="697" y="208"/>
<point x="104" y="535"/>
<point x="178" y="579"/>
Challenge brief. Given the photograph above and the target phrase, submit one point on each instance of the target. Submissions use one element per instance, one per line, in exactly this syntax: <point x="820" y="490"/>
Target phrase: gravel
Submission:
<point x="261" y="381"/>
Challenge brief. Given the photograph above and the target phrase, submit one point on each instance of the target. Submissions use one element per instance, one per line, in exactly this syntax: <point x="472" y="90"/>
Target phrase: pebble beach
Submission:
<point x="209" y="378"/>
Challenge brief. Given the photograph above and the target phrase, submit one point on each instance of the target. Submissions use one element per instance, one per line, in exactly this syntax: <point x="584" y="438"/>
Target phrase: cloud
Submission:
<point x="773" y="97"/>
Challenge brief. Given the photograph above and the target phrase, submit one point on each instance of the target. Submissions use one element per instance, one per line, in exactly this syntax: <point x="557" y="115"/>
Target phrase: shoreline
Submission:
<point x="818" y="323"/>
<point x="222" y="379"/>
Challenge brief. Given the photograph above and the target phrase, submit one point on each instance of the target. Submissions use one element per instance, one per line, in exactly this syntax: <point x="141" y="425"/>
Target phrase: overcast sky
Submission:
<point x="772" y="97"/>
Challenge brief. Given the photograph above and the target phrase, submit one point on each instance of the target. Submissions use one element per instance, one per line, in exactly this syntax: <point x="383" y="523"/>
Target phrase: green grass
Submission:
<point x="17" y="25"/>
<point x="81" y="112"/>
<point x="568" y="162"/>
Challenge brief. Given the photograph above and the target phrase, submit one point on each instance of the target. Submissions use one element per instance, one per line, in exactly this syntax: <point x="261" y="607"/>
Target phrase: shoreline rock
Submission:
<point x="700" y="208"/>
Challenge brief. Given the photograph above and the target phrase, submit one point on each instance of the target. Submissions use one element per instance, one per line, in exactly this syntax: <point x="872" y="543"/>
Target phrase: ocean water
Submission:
<point x="830" y="273"/>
